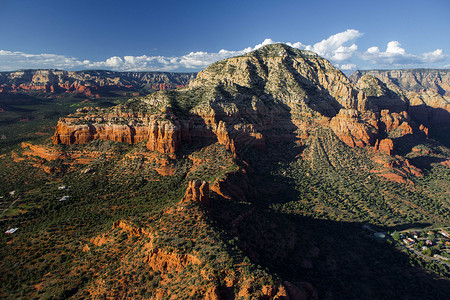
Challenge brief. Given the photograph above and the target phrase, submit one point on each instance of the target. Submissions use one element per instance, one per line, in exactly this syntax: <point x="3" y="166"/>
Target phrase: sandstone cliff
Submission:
<point x="271" y="94"/>
<point x="89" y="83"/>
<point x="423" y="93"/>
<point x="411" y="80"/>
<point x="276" y="93"/>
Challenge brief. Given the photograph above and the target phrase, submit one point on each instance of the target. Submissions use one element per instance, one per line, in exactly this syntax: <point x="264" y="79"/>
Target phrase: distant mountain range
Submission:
<point x="89" y="83"/>
<point x="423" y="93"/>
<point x="412" y="80"/>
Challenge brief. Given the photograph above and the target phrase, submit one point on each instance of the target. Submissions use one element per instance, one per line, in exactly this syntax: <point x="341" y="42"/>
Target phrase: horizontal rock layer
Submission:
<point x="89" y="83"/>
<point x="271" y="94"/>
<point x="423" y="93"/>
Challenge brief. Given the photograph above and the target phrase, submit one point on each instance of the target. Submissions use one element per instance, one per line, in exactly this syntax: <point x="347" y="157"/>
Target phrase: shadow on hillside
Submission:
<point x="436" y="119"/>
<point x="390" y="101"/>
<point x="426" y="162"/>
<point x="340" y="259"/>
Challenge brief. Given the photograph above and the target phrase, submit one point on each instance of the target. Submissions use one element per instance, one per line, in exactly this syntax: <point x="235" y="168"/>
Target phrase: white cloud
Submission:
<point x="114" y="61"/>
<point x="343" y="53"/>
<point x="348" y="67"/>
<point x="397" y="56"/>
<point x="373" y="50"/>
<point x="394" y="48"/>
<point x="333" y="47"/>
<point x="10" y="60"/>
<point x="435" y="56"/>
<point x="339" y="48"/>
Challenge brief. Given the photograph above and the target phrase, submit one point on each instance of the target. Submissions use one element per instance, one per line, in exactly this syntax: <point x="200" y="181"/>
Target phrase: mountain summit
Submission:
<point x="273" y="92"/>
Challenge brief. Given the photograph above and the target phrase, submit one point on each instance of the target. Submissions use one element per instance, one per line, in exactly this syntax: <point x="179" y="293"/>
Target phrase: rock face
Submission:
<point x="164" y="136"/>
<point x="385" y="146"/>
<point x="412" y="80"/>
<point x="423" y="93"/>
<point x="89" y="83"/>
<point x="197" y="191"/>
<point x="271" y="94"/>
<point x="352" y="130"/>
<point x="275" y="93"/>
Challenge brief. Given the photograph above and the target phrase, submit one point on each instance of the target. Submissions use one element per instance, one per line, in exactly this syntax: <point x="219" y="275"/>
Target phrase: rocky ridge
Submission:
<point x="423" y="93"/>
<point x="411" y="80"/>
<point x="274" y="93"/>
<point x="89" y="83"/>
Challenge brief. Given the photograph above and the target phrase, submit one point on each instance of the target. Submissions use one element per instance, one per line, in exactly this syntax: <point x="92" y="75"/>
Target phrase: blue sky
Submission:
<point x="189" y="35"/>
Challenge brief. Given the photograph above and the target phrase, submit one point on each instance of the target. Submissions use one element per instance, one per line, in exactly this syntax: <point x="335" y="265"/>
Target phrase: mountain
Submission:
<point x="90" y="83"/>
<point x="424" y="93"/>
<point x="411" y="80"/>
<point x="262" y="96"/>
<point x="276" y="93"/>
<point x="264" y="178"/>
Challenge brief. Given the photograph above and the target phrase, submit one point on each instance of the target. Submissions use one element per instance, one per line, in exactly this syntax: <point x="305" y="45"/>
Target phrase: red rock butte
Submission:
<point x="271" y="94"/>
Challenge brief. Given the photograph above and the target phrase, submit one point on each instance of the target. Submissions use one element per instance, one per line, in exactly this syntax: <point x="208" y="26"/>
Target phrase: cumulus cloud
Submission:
<point x="347" y="67"/>
<point x="397" y="56"/>
<point x="333" y="47"/>
<point x="339" y="48"/>
<point x="10" y="60"/>
<point x="193" y="60"/>
<point x="435" y="56"/>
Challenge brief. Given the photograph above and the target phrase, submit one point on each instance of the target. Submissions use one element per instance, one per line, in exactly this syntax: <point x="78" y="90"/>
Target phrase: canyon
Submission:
<point x="91" y="84"/>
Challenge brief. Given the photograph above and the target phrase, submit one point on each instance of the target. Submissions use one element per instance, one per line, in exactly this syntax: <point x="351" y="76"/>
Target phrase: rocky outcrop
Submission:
<point x="164" y="136"/>
<point x="396" y="169"/>
<point x="39" y="155"/>
<point x="430" y="108"/>
<point x="274" y="93"/>
<point x="385" y="146"/>
<point x="89" y="83"/>
<point x="197" y="191"/>
<point x="234" y="185"/>
<point x="352" y="130"/>
<point x="423" y="93"/>
<point x="412" y="80"/>
<point x="69" y="134"/>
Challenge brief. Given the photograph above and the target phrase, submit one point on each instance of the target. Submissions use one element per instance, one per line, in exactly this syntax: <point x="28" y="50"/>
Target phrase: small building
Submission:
<point x="11" y="231"/>
<point x="443" y="233"/>
<point x="406" y="241"/>
<point x="64" y="198"/>
<point x="429" y="243"/>
<point x="62" y="187"/>
<point x="440" y="257"/>
<point x="411" y="240"/>
<point x="12" y="193"/>
<point x="424" y="247"/>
